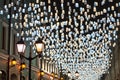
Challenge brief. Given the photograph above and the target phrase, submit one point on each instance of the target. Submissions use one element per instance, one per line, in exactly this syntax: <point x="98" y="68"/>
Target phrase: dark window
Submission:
<point x="14" y="44"/>
<point x="50" y="67"/>
<point x="23" y="78"/>
<point x="13" y="77"/>
<point x="40" y="63"/>
<point x="4" y="2"/>
<point x="47" y="66"/>
<point x="4" y="38"/>
<point x="44" y="65"/>
<point x="2" y="75"/>
<point x="36" y="62"/>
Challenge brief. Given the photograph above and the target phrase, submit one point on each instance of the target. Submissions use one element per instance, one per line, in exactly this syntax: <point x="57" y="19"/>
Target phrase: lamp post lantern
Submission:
<point x="21" y="49"/>
<point x="69" y="73"/>
<point x="76" y="74"/>
<point x="21" y="46"/>
<point x="39" y="46"/>
<point x="13" y="62"/>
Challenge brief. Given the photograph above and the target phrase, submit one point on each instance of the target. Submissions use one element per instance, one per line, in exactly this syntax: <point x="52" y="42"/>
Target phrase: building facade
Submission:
<point x="114" y="71"/>
<point x="8" y="53"/>
<point x="14" y="72"/>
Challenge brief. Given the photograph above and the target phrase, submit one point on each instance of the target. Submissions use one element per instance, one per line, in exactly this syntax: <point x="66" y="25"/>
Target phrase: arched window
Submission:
<point x="14" y="77"/>
<point x="2" y="75"/>
<point x="23" y="78"/>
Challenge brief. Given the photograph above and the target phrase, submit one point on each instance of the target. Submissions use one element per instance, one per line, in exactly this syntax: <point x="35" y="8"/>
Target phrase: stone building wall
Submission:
<point x="114" y="71"/>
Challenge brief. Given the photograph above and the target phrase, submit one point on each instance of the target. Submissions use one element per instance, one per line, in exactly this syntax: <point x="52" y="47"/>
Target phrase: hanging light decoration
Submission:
<point x="78" y="34"/>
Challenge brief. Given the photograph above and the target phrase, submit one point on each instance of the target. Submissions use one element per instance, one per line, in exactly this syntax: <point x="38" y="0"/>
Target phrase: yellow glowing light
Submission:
<point x="52" y="74"/>
<point x="23" y="66"/>
<point x="13" y="62"/>
<point x="61" y="78"/>
<point x="56" y="75"/>
<point x="42" y="73"/>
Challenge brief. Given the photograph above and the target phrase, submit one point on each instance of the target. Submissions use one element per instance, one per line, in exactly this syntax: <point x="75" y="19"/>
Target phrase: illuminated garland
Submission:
<point x="78" y="34"/>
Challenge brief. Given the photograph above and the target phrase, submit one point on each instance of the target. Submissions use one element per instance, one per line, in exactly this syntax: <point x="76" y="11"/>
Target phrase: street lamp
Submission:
<point x="61" y="78"/>
<point x="56" y="75"/>
<point x="21" y="46"/>
<point x="21" y="49"/>
<point x="69" y="73"/>
<point x="39" y="46"/>
<point x="42" y="73"/>
<point x="23" y="65"/>
<point x="13" y="62"/>
<point x="52" y="74"/>
<point x="76" y="74"/>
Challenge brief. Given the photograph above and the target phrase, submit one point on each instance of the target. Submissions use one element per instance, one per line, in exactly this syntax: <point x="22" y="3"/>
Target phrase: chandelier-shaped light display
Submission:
<point x="78" y="34"/>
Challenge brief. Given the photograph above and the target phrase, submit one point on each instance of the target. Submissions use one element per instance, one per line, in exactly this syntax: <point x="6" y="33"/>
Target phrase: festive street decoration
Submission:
<point x="78" y="34"/>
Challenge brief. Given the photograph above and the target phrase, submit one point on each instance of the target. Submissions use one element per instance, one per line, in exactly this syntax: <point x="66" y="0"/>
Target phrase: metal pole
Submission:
<point x="20" y="67"/>
<point x="61" y="71"/>
<point x="30" y="59"/>
<point x="40" y="67"/>
<point x="9" y="37"/>
<point x="22" y="4"/>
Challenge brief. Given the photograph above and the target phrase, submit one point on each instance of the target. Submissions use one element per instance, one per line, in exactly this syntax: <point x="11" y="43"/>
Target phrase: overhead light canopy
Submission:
<point x="82" y="32"/>
<point x="21" y="46"/>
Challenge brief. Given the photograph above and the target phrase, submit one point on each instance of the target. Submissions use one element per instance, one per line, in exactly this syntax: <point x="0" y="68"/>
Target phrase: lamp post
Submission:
<point x="22" y="66"/>
<point x="61" y="75"/>
<point x="21" y="49"/>
<point x="9" y="40"/>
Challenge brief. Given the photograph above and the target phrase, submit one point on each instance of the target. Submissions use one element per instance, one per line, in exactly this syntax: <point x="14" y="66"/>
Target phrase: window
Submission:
<point x="2" y="75"/>
<point x="23" y="78"/>
<point x="44" y="64"/>
<point x="13" y="77"/>
<point x="50" y="67"/>
<point x="4" y="38"/>
<point x="14" y="44"/>
<point x="47" y="66"/>
<point x="40" y="63"/>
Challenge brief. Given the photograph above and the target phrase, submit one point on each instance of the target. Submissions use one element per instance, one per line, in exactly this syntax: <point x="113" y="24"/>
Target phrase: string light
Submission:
<point x="77" y="36"/>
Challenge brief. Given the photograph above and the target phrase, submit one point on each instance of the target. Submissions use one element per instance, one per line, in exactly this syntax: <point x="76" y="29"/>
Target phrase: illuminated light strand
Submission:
<point x="89" y="39"/>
